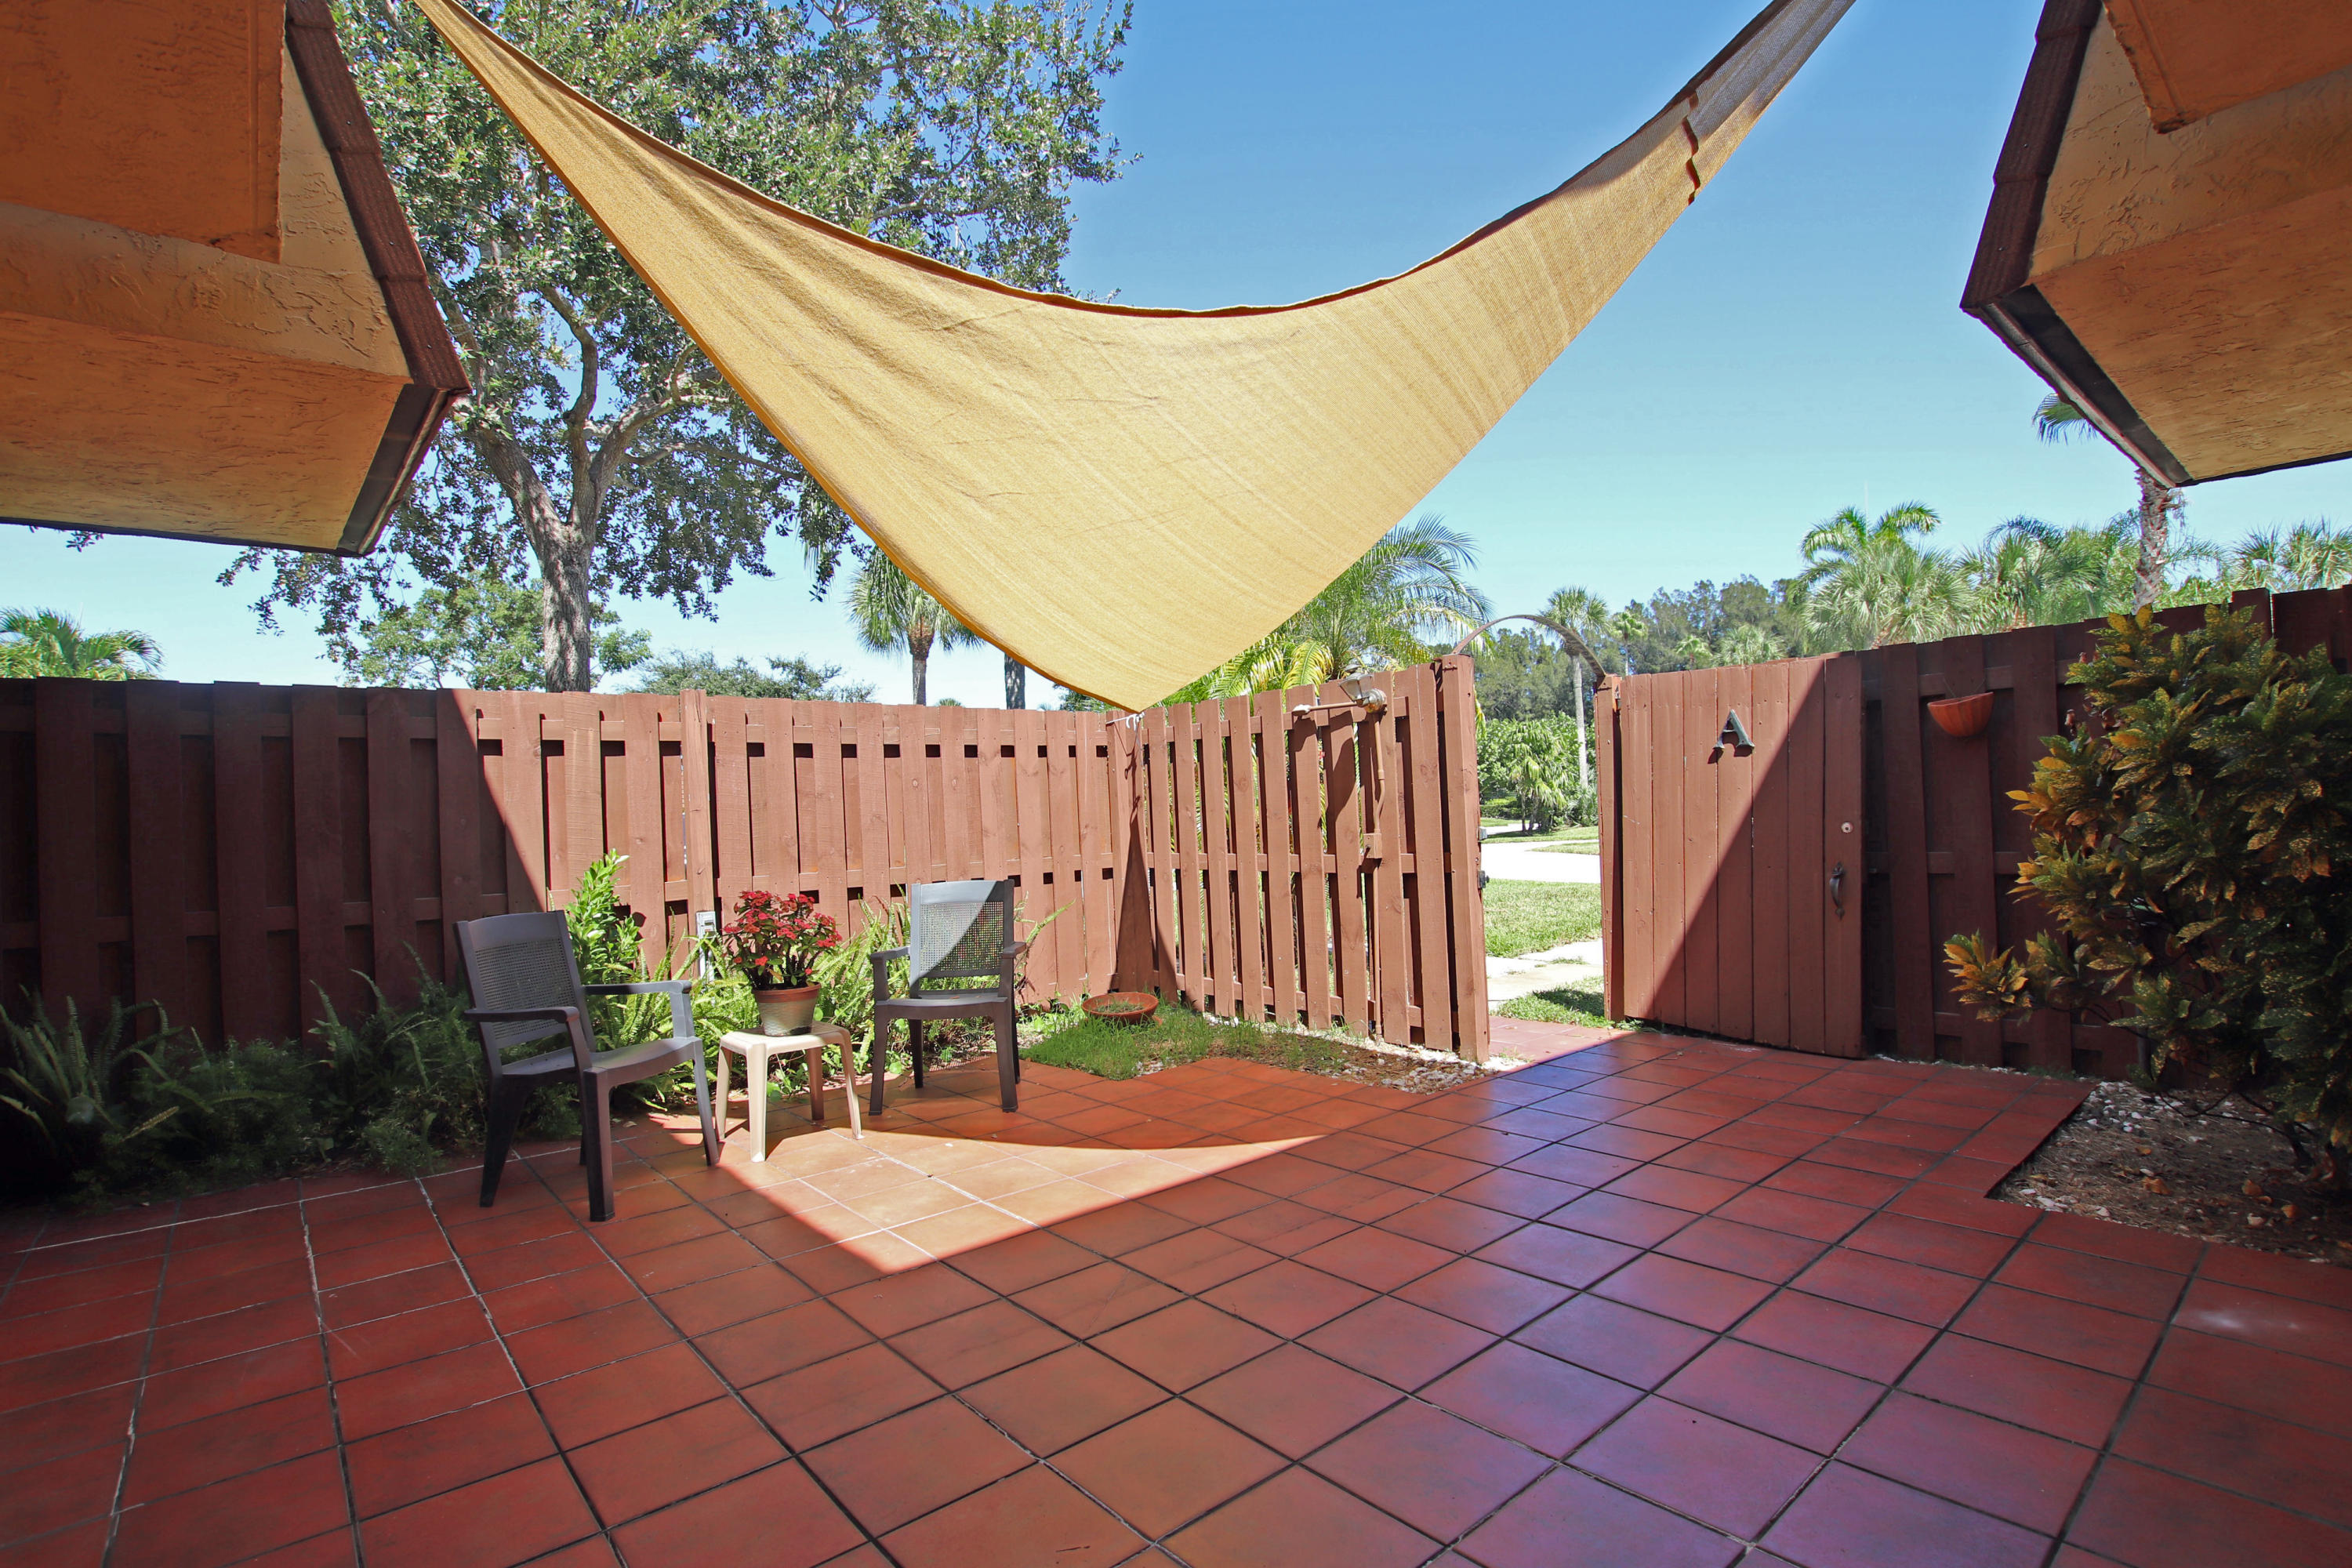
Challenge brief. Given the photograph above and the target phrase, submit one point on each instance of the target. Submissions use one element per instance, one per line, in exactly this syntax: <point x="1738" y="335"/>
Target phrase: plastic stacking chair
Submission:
<point x="526" y="987"/>
<point x="955" y="931"/>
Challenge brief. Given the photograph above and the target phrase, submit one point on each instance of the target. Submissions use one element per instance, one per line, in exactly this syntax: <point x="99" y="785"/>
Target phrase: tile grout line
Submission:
<point x="497" y="1337"/>
<point x="138" y="1397"/>
<point x="334" y="1394"/>
<point x="2141" y="1386"/>
<point x="791" y="1453"/>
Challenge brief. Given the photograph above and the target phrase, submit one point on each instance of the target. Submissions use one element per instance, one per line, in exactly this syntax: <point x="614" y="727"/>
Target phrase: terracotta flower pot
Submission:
<point x="1122" y="1006"/>
<point x="1961" y="717"/>
<point x="789" y="1010"/>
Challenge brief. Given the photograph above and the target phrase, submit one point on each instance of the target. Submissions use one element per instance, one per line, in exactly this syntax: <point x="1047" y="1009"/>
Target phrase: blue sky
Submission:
<point x="1793" y="346"/>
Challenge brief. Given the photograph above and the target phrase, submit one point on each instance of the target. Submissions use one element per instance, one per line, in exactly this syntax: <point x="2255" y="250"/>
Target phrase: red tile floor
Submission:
<point x="1653" y="1301"/>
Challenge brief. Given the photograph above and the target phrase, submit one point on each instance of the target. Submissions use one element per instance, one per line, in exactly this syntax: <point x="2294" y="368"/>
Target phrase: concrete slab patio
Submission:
<point x="1652" y="1302"/>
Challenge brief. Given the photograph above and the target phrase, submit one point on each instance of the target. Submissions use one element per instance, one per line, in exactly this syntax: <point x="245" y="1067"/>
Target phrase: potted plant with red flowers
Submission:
<point x="775" y="941"/>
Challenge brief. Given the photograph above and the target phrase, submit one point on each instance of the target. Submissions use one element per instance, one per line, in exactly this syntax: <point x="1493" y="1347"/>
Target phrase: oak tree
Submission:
<point x="602" y="453"/>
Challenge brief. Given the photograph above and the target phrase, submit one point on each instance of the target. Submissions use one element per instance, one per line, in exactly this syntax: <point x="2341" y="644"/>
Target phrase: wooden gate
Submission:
<point x="1307" y="857"/>
<point x="1732" y="851"/>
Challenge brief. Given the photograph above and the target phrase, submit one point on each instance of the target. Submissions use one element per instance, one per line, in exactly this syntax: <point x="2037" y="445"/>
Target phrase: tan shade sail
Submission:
<point x="1124" y="498"/>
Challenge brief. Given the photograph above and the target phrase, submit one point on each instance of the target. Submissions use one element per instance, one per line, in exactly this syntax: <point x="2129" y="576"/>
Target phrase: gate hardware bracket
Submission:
<point x="1371" y="698"/>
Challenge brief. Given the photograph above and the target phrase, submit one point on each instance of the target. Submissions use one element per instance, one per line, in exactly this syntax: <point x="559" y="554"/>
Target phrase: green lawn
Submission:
<point x="1561" y="1007"/>
<point x="1176" y="1035"/>
<point x="1528" y="916"/>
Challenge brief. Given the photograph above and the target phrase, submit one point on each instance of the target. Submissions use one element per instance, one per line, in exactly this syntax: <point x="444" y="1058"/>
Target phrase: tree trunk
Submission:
<point x="1583" y="773"/>
<point x="564" y="544"/>
<point x="567" y="632"/>
<point x="918" y="650"/>
<point x="2157" y="504"/>
<point x="1016" y="683"/>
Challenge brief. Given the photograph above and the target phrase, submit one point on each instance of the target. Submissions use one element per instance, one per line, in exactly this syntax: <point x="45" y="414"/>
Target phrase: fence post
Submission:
<point x="701" y="844"/>
<point x="1609" y="814"/>
<point x="1458" y="716"/>
<point x="158" y="845"/>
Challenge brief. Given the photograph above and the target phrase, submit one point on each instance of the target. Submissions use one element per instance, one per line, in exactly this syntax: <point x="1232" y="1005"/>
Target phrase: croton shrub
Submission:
<point x="2187" y="841"/>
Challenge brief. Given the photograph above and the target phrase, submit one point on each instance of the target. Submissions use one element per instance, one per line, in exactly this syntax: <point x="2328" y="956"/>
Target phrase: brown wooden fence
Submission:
<point x="1941" y="835"/>
<point x="243" y="855"/>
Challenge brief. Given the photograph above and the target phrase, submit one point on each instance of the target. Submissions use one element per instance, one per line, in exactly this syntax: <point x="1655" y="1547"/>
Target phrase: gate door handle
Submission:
<point x="1837" y="888"/>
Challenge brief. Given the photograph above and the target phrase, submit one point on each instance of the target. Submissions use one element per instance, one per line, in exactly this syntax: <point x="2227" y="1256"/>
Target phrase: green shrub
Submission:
<point x="2185" y="845"/>
<point x="1530" y="766"/>
<point x="64" y="1087"/>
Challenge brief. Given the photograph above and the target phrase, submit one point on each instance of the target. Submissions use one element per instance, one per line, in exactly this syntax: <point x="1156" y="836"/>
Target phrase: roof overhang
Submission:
<point x="2184" y="286"/>
<point x="215" y="321"/>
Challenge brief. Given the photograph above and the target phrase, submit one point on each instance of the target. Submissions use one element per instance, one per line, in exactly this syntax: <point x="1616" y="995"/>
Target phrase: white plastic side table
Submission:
<point x="758" y="1050"/>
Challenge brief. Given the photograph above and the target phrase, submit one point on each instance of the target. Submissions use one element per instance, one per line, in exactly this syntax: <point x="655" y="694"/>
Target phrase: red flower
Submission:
<point x="773" y="938"/>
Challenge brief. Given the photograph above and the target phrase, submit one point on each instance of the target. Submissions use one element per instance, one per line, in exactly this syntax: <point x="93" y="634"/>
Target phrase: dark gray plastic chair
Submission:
<point x="955" y="931"/>
<point x="526" y="987"/>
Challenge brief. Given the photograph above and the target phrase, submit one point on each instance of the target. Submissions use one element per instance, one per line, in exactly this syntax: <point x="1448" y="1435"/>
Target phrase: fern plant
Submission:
<point x="64" y="1083"/>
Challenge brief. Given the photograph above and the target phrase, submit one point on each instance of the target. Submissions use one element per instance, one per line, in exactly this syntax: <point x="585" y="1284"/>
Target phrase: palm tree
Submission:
<point x="1870" y="584"/>
<point x="2028" y="574"/>
<point x="2308" y="555"/>
<point x="51" y="642"/>
<point x="889" y="611"/>
<point x="1582" y="611"/>
<point x="1625" y="626"/>
<point x="1414" y="581"/>
<point x="2058" y="419"/>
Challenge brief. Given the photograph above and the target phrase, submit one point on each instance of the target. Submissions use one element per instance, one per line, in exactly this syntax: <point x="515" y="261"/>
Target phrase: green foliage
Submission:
<point x="51" y="642"/>
<point x="844" y="976"/>
<point x="1525" y="674"/>
<point x="392" y="1087"/>
<point x="1680" y="629"/>
<point x="607" y="942"/>
<point x="1175" y="1036"/>
<point x="1528" y="917"/>
<point x="599" y="443"/>
<point x="1413" y="583"/>
<point x="62" y="1082"/>
<point x="679" y="670"/>
<point x="482" y="635"/>
<point x="168" y="1112"/>
<point x="2185" y="844"/>
<point x="1532" y="764"/>
<point x="1870" y="583"/>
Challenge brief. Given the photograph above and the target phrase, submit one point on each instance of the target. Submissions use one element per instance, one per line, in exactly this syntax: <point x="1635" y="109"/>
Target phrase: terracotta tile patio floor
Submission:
<point x="1653" y="1301"/>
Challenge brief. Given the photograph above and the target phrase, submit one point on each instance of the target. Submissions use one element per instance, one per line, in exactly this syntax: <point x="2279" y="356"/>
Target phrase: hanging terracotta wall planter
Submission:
<point x="1961" y="717"/>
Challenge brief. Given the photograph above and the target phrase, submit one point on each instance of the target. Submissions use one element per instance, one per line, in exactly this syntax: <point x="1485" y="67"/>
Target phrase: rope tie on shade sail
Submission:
<point x="1038" y="464"/>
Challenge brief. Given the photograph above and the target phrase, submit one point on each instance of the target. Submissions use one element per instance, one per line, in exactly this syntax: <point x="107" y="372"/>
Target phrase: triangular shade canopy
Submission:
<point x="1124" y="498"/>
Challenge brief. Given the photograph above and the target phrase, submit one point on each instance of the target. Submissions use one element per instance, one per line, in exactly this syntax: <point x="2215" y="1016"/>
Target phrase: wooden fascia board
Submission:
<point x="1998" y="292"/>
<point x="438" y="377"/>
